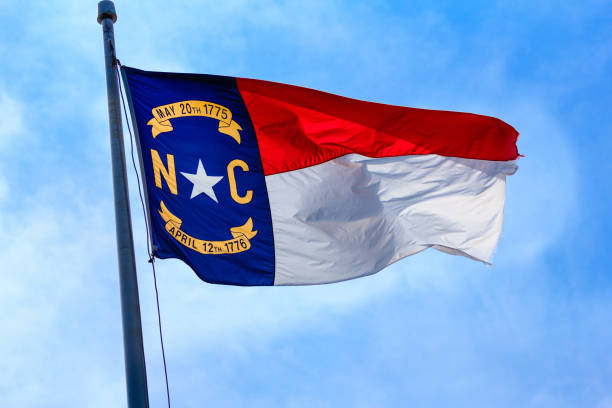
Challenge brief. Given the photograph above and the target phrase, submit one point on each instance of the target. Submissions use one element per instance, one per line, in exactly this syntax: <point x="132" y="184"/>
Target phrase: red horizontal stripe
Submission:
<point x="300" y="127"/>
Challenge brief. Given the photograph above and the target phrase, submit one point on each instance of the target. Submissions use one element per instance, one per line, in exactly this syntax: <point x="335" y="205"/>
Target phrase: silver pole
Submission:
<point x="135" y="370"/>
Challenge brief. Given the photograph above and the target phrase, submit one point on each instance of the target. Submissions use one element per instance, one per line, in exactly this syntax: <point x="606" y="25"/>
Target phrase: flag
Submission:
<point x="252" y="182"/>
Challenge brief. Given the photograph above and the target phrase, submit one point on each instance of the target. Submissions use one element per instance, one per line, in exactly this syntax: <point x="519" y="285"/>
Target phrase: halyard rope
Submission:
<point x="117" y="64"/>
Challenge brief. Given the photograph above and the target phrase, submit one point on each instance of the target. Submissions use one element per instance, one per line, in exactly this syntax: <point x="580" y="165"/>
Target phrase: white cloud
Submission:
<point x="4" y="188"/>
<point x="59" y="299"/>
<point x="541" y="196"/>
<point x="11" y="124"/>
<point x="12" y="129"/>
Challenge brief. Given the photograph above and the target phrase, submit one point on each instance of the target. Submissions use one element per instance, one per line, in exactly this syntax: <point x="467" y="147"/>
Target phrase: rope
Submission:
<point x="149" y="251"/>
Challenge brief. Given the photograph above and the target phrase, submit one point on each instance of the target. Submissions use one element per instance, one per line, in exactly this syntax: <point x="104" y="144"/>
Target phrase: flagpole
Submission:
<point x="135" y="370"/>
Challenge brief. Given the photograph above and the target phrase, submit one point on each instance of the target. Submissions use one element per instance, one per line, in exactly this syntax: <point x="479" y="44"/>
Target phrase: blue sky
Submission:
<point x="433" y="330"/>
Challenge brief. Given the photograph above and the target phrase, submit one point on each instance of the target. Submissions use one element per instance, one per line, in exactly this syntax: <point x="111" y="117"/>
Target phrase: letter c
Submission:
<point x="245" y="199"/>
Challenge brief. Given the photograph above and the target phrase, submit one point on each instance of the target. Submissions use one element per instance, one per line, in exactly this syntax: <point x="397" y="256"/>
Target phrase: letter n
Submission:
<point x="159" y="170"/>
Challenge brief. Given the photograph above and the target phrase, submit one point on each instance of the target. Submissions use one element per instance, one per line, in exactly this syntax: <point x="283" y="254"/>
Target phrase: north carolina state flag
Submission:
<point x="259" y="183"/>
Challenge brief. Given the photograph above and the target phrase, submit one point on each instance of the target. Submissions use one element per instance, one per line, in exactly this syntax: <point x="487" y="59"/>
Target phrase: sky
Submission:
<point x="434" y="330"/>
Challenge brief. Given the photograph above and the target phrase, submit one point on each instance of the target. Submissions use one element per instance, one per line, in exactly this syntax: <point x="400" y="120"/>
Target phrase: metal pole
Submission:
<point x="135" y="370"/>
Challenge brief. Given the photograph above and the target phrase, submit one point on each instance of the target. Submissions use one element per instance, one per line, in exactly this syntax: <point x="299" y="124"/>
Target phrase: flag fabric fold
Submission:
<point x="258" y="183"/>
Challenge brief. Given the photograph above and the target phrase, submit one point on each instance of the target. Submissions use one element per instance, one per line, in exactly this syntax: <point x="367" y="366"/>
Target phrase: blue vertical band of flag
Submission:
<point x="195" y="139"/>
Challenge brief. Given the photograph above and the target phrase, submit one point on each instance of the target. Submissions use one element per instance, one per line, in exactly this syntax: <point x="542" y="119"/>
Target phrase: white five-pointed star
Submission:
<point x="202" y="183"/>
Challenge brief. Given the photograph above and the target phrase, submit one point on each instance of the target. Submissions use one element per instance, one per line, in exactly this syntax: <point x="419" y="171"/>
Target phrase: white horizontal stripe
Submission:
<point x="354" y="215"/>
